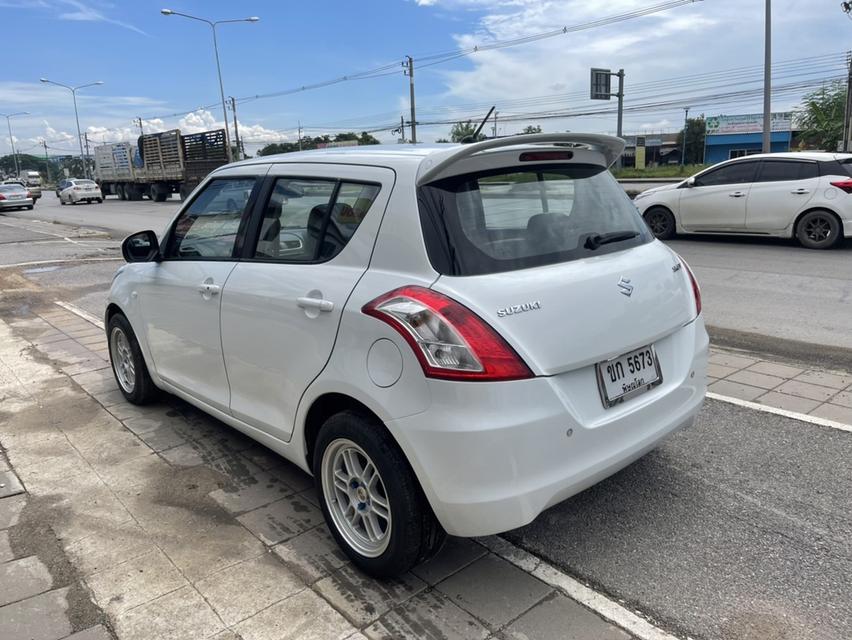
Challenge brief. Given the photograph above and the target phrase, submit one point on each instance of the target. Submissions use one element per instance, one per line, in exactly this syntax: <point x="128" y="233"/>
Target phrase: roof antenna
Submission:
<point x="475" y="136"/>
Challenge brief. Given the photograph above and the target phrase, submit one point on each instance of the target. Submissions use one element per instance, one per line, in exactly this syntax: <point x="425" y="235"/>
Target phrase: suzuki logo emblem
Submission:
<point x="625" y="286"/>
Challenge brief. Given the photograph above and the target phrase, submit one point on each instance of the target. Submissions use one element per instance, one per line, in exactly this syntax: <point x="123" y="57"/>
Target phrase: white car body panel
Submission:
<point x="488" y="455"/>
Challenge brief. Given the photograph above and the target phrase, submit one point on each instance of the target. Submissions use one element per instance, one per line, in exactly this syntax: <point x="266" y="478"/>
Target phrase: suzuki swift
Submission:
<point x="450" y="338"/>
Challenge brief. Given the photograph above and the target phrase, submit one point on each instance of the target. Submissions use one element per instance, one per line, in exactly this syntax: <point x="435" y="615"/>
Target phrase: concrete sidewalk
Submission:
<point x="162" y="523"/>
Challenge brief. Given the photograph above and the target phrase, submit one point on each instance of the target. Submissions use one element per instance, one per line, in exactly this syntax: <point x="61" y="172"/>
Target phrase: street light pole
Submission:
<point x="685" y="129"/>
<point x="12" y="139"/>
<point x="73" y="91"/>
<point x="767" y="81"/>
<point x="212" y="24"/>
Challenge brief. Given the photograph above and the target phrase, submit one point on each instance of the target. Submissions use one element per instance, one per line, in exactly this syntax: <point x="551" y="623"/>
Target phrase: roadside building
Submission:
<point x="742" y="135"/>
<point x="651" y="150"/>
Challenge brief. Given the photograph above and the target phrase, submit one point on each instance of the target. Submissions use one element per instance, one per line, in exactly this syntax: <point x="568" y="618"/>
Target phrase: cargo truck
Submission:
<point x="159" y="164"/>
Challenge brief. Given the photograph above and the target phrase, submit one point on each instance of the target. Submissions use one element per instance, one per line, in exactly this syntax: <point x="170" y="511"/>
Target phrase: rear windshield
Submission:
<point x="85" y="183"/>
<point x="9" y="188"/>
<point x="525" y="217"/>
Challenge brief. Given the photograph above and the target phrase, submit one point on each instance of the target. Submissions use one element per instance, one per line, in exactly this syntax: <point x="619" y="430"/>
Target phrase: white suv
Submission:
<point x="451" y="338"/>
<point x="807" y="196"/>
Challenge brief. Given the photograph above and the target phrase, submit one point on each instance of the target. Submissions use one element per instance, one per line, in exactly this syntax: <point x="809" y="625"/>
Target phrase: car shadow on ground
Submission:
<point x="845" y="245"/>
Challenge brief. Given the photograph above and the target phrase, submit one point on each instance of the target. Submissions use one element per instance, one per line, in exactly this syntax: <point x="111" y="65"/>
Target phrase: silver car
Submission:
<point x="79" y="190"/>
<point x="14" y="196"/>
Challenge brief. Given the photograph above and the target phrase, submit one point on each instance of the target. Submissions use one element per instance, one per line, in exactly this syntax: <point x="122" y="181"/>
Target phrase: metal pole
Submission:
<point x="86" y="159"/>
<point x="300" y="135"/>
<point x="236" y="130"/>
<point x="79" y="135"/>
<point x="767" y="81"/>
<point x="402" y="128"/>
<point x="12" y="142"/>
<point x="847" y="120"/>
<point x="494" y="127"/>
<point x="685" y="129"/>
<point x="139" y="122"/>
<point x="411" y="96"/>
<point x="222" y="93"/>
<point x="619" y="130"/>
<point x="46" y="160"/>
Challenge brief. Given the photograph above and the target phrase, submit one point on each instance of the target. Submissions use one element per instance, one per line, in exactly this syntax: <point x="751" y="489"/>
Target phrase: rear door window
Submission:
<point x="781" y="170"/>
<point x="514" y="219"/>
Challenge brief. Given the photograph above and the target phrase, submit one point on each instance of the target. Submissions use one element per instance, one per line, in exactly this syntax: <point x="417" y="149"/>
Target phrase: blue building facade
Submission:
<point x="719" y="147"/>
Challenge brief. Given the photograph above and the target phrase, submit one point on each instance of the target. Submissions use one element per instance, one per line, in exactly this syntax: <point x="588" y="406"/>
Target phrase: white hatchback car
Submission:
<point x="451" y="338"/>
<point x="803" y="195"/>
<point x="78" y="190"/>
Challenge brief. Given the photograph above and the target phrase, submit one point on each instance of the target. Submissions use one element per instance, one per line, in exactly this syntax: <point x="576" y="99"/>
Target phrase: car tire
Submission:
<point x="408" y="532"/>
<point x="30" y="207"/>
<point x="661" y="222"/>
<point x="99" y="200"/>
<point x="61" y="201"/>
<point x="128" y="365"/>
<point x="819" y="229"/>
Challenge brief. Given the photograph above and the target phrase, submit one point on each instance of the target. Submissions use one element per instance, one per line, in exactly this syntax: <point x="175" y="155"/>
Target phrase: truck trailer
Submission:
<point x="159" y="164"/>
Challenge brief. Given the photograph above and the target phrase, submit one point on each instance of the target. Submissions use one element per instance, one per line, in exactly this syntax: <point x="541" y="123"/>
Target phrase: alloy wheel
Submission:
<point x="659" y="223"/>
<point x="122" y="360"/>
<point x="356" y="498"/>
<point x="818" y="229"/>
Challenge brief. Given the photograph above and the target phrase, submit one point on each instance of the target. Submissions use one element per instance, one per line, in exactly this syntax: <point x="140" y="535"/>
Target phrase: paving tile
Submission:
<point x="305" y="616"/>
<point x="159" y="439"/>
<point x="109" y="398"/>
<point x="135" y="582"/>
<point x="5" y="548"/>
<point x="291" y="475"/>
<point x="180" y="615"/>
<point x="788" y="402"/>
<point x="251" y="492"/>
<point x="312" y="555"/>
<point x="9" y="484"/>
<point x="10" y="511"/>
<point x="494" y="590"/>
<point x="844" y="399"/>
<point x="731" y="360"/>
<point x="110" y="544"/>
<point x="834" y="412"/>
<point x="834" y="380"/>
<point x="806" y="390"/>
<point x="281" y="520"/>
<point x="99" y="632"/>
<point x="560" y="618"/>
<point x="361" y="598"/>
<point x="42" y="617"/>
<point x="456" y="554"/>
<point x="23" y="578"/>
<point x="719" y="370"/>
<point x="775" y="369"/>
<point x="428" y="615"/>
<point x="242" y="590"/>
<point x="736" y="390"/>
<point x="310" y="495"/>
<point x="200" y="553"/>
<point x="755" y="379"/>
<point x="140" y="470"/>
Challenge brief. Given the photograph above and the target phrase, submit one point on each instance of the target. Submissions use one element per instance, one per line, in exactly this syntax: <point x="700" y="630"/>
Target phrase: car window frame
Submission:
<point x="766" y="161"/>
<point x="239" y="242"/>
<point x="253" y="230"/>
<point x="726" y="165"/>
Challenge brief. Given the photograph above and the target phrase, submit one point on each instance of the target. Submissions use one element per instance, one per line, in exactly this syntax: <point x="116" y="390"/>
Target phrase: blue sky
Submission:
<point x="155" y="66"/>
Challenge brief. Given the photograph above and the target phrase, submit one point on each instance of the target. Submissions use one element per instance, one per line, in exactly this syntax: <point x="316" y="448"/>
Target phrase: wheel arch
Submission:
<point x="322" y="408"/>
<point x="795" y="226"/>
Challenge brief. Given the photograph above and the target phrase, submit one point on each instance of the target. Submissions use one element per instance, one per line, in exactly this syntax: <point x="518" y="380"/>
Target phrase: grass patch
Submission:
<point x="666" y="171"/>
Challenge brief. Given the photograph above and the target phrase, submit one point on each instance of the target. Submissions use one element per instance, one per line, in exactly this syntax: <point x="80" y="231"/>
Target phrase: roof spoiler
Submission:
<point x="435" y="164"/>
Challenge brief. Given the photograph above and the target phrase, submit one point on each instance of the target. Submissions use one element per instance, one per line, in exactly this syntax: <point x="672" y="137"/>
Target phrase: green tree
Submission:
<point x="820" y="117"/>
<point x="441" y="140"/>
<point x="463" y="131"/>
<point x="696" y="129"/>
<point x="312" y="143"/>
<point x="532" y="128"/>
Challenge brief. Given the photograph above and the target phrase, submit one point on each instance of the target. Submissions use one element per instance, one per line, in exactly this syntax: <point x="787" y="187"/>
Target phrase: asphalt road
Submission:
<point x="737" y="528"/>
<point x="763" y="294"/>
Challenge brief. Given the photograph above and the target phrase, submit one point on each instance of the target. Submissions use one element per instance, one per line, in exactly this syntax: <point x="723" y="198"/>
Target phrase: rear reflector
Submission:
<point x="545" y="156"/>
<point x="450" y="341"/>
<point x="845" y="185"/>
<point x="696" y="290"/>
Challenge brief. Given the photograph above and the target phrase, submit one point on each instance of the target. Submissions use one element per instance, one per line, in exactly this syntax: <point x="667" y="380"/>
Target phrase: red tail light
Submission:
<point x="2" y="197"/>
<point x="29" y="195"/>
<point x="450" y="341"/>
<point x="845" y="185"/>
<point x="696" y="290"/>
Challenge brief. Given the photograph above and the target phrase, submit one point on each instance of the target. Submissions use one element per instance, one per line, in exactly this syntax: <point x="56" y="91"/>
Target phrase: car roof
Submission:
<point x="822" y="156"/>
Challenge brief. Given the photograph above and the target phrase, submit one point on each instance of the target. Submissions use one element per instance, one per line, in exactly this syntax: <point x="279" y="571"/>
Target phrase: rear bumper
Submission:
<point x="492" y="456"/>
<point x="14" y="204"/>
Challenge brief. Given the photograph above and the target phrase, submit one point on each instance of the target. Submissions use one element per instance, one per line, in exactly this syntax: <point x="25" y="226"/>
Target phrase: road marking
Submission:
<point x="82" y="313"/>
<point x="35" y="263"/>
<point x="823" y="422"/>
<point x="599" y="603"/>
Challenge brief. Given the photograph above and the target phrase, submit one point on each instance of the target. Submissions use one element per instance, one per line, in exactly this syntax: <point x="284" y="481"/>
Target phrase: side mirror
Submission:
<point x="690" y="182"/>
<point x="141" y="247"/>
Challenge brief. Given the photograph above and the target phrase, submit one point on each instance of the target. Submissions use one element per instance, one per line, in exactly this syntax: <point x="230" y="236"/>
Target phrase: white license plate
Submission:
<point x="15" y="196"/>
<point x="628" y="375"/>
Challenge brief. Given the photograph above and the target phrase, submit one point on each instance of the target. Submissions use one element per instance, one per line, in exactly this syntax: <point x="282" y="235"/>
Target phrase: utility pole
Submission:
<point x="402" y="128"/>
<point x="494" y="127"/>
<point x="236" y="130"/>
<point x="86" y="158"/>
<point x="138" y="123"/>
<point x="847" y="120"/>
<point x="46" y="159"/>
<point x="685" y="130"/>
<point x="300" y="135"/>
<point x="767" y="81"/>
<point x="410" y="74"/>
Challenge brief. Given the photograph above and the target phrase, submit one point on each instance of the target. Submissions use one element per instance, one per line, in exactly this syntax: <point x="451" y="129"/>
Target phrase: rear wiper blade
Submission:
<point x="596" y="240"/>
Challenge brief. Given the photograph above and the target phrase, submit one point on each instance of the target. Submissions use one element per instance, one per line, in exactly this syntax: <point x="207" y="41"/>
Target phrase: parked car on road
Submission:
<point x="78" y="190"/>
<point x="15" y="196"/>
<point x="451" y="338"/>
<point x="807" y="196"/>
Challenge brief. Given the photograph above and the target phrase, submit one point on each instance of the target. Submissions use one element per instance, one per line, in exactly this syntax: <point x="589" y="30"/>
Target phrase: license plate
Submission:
<point x="15" y="196"/>
<point x="628" y="375"/>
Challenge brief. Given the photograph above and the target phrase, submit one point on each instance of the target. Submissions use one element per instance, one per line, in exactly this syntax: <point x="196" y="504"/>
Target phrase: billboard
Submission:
<point x="748" y="123"/>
